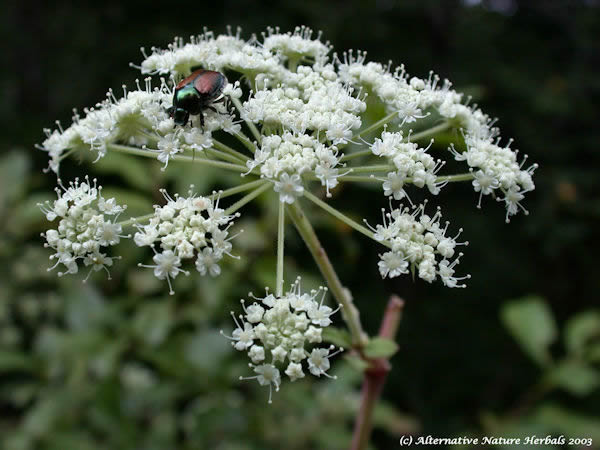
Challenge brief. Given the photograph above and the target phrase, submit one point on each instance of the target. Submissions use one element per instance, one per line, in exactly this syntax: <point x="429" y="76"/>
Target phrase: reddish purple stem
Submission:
<point x="375" y="376"/>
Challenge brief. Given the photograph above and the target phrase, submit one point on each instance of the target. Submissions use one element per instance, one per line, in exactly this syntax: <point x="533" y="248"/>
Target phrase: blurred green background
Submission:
<point x="119" y="364"/>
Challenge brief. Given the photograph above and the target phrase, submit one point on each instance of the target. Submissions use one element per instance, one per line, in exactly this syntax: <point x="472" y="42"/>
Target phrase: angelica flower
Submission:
<point x="289" y="188"/>
<point x="277" y="328"/>
<point x="207" y="262"/>
<point x="394" y="185"/>
<point x="138" y="118"/>
<point x="417" y="240"/>
<point x="168" y="146"/>
<point x="177" y="231"/>
<point x="393" y="264"/>
<point x="294" y="371"/>
<point x="167" y="264"/>
<point x="304" y="119"/>
<point x="296" y="45"/>
<point x="306" y="114"/>
<point x="301" y="121"/>
<point x="318" y="361"/>
<point x="88" y="222"/>
<point x="268" y="375"/>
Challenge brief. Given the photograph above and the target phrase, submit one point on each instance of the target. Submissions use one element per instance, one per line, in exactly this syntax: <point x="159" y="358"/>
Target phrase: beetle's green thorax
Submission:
<point x="188" y="98"/>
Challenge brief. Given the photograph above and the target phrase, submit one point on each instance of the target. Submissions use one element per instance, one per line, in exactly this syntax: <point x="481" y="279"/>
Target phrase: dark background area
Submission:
<point x="532" y="64"/>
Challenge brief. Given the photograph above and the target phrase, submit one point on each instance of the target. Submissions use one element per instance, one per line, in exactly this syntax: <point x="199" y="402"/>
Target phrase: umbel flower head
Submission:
<point x="286" y="115"/>
<point x="297" y="113"/>
<point x="418" y="240"/>
<point x="279" y="334"/>
<point x="186" y="228"/>
<point x="87" y="224"/>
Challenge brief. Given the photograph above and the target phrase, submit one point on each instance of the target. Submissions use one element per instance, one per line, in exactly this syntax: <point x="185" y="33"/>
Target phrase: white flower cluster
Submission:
<point x="320" y="97"/>
<point x="393" y="89"/>
<point x="139" y="119"/>
<point x="310" y="101"/>
<point x="221" y="53"/>
<point x="497" y="169"/>
<point x="283" y="159"/>
<point x="312" y="98"/>
<point x="303" y="107"/>
<point x="186" y="228"/>
<point x="278" y="332"/>
<point x="110" y="121"/>
<point x="416" y="241"/>
<point x="415" y="98"/>
<point x="411" y="162"/>
<point x="297" y="45"/>
<point x="171" y="141"/>
<point x="87" y="223"/>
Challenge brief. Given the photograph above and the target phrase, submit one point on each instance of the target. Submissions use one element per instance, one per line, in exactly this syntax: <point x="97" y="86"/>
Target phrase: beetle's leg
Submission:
<point x="201" y="121"/>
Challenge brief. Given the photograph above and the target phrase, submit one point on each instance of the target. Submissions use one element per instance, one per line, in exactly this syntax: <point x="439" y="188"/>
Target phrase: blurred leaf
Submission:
<point x="85" y="308"/>
<point x="10" y="336"/>
<point x="50" y="343"/>
<point x="253" y="238"/>
<point x="105" y="361"/>
<point x="16" y="441"/>
<point x="580" y="329"/>
<point x="575" y="377"/>
<point x="519" y="427"/>
<point x="212" y="292"/>
<point x="13" y="170"/>
<point x="594" y="353"/>
<point x="28" y="216"/>
<point x="356" y="363"/>
<point x="263" y="271"/>
<point x="130" y="168"/>
<point x="142" y="282"/>
<point x="153" y="322"/>
<point x="531" y="323"/>
<point x="14" y="360"/>
<point x="72" y="439"/>
<point x="379" y="347"/>
<point x="393" y="421"/>
<point x="569" y="422"/>
<point x="335" y="436"/>
<point x="337" y="336"/>
<point x="41" y="417"/>
<point x="187" y="174"/>
<point x="20" y="394"/>
<point x="32" y="265"/>
<point x="206" y="350"/>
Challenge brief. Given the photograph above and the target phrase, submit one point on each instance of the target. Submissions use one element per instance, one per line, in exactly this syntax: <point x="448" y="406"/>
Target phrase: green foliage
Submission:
<point x="568" y="422"/>
<point x="532" y="325"/>
<point x="575" y="377"/>
<point x="378" y="347"/>
<point x="337" y="336"/>
<point x="582" y="333"/>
